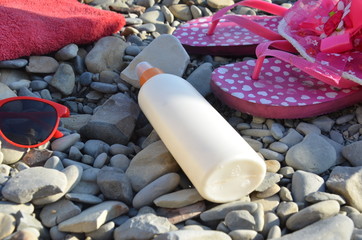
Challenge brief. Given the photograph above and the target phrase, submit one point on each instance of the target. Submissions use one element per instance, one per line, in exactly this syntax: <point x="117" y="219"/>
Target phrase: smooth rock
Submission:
<point x="271" y="155"/>
<point x="115" y="185"/>
<point x="150" y="163"/>
<point x="239" y="219"/>
<point x="194" y="235"/>
<point x="353" y="152"/>
<point x="68" y="52"/>
<point x="115" y="120"/>
<point x="285" y="210"/>
<point x="291" y="138"/>
<point x="245" y="235"/>
<point x="158" y="187"/>
<point x="178" y="199"/>
<point x="347" y="182"/>
<point x="306" y="128"/>
<point x="105" y="232"/>
<point x="337" y="227"/>
<point x="6" y="92"/>
<point x="64" y="79"/>
<point x="73" y="175"/>
<point x="324" y="123"/>
<point x="83" y="198"/>
<point x="64" y="143"/>
<point x="42" y="64"/>
<point x="76" y="122"/>
<point x="95" y="147"/>
<point x="218" y="4"/>
<point x="178" y="215"/>
<point x="220" y="211"/>
<point x="15" y="63"/>
<point x="143" y="227"/>
<point x="93" y="217"/>
<point x="168" y="14"/>
<point x="104" y="87"/>
<point x="313" y="154"/>
<point x="154" y="16"/>
<point x="304" y="183"/>
<point x="13" y="208"/>
<point x="200" y="78"/>
<point x="107" y="54"/>
<point x="312" y="214"/>
<point x="181" y="11"/>
<point x="172" y="59"/>
<point x="269" y="180"/>
<point x="55" y="213"/>
<point x="20" y="84"/>
<point x="45" y="182"/>
<point x="315" y="197"/>
<point x="7" y="226"/>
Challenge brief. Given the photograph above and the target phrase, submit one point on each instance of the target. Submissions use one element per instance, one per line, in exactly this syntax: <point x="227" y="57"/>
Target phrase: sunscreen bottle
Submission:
<point x="218" y="161"/>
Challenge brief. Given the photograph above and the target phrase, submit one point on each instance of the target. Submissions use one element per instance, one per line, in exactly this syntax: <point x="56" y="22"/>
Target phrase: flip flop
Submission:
<point x="226" y="34"/>
<point x="327" y="31"/>
<point x="284" y="86"/>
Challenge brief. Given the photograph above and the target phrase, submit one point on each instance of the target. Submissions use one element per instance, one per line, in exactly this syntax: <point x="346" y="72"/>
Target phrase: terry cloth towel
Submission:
<point x="36" y="27"/>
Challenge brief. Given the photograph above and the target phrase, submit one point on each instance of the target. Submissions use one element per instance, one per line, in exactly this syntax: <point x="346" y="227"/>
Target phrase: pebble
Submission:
<point x="304" y="183"/>
<point x="291" y="138"/>
<point x="285" y="210"/>
<point x="315" y="197"/>
<point x="150" y="163"/>
<point x="42" y="64"/>
<point x="352" y="153"/>
<point x="45" y="182"/>
<point x="200" y="78"/>
<point x="178" y="199"/>
<point x="271" y="155"/>
<point x="181" y="12"/>
<point x="172" y="59"/>
<point x="346" y="182"/>
<point x="218" y="4"/>
<point x="256" y="132"/>
<point x="193" y="234"/>
<point x="324" y="123"/>
<point x="146" y="225"/>
<point x="155" y="189"/>
<point x="15" y="63"/>
<point x="306" y="128"/>
<point x="279" y="147"/>
<point x="272" y="166"/>
<point x="93" y="217"/>
<point x="64" y="143"/>
<point x="313" y="154"/>
<point x="67" y="53"/>
<point x="8" y="224"/>
<point x="64" y="79"/>
<point x="104" y="87"/>
<point x="269" y="180"/>
<point x="107" y="54"/>
<point x="115" y="185"/>
<point x="313" y="213"/>
<point x="83" y="198"/>
<point x="277" y="130"/>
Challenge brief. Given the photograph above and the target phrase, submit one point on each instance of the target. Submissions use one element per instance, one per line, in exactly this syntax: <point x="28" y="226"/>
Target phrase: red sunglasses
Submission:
<point x="29" y="122"/>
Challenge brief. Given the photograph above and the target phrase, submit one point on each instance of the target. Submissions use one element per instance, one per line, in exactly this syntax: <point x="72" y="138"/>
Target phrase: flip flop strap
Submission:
<point x="329" y="75"/>
<point x="246" y="23"/>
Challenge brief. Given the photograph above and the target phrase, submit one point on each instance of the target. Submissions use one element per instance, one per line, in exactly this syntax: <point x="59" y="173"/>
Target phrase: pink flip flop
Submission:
<point x="227" y="34"/>
<point x="285" y="86"/>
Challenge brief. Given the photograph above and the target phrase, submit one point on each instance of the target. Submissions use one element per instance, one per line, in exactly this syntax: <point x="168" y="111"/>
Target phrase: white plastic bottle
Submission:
<point x="218" y="161"/>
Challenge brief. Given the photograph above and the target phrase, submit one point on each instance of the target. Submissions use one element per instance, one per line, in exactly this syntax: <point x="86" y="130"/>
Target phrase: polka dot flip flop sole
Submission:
<point x="282" y="91"/>
<point x="228" y="39"/>
<point x="231" y="34"/>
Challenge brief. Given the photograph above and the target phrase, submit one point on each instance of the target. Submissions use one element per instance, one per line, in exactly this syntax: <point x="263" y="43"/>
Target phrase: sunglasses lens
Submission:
<point x="27" y="122"/>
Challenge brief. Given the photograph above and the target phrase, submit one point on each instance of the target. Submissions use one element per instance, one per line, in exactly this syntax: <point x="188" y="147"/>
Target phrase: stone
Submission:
<point x="6" y="92"/>
<point x="45" y="182"/>
<point x="200" y="78"/>
<point x="64" y="79"/>
<point x="172" y="59"/>
<point x="272" y="166"/>
<point x="313" y="154"/>
<point x="352" y="153"/>
<point x="347" y="182"/>
<point x="337" y="227"/>
<point x="271" y="155"/>
<point x="177" y="215"/>
<point x="104" y="87"/>
<point x="219" y="212"/>
<point x="195" y="12"/>
<point x="29" y="222"/>
<point x="20" y="84"/>
<point x="115" y="185"/>
<point x="83" y="198"/>
<point x="64" y="143"/>
<point x="107" y="54"/>
<point x="315" y="197"/>
<point x="279" y="147"/>
<point x="291" y="138"/>
<point x="55" y="213"/>
<point x="324" y="123"/>
<point x="120" y="161"/>
<point x="7" y="226"/>
<point x="95" y="147"/>
<point x="269" y="203"/>
<point x="270" y="220"/>
<point x="67" y="52"/>
<point x="143" y="227"/>
<point x="73" y="175"/>
<point x="194" y="235"/>
<point x="218" y="4"/>
<point x="277" y="130"/>
<point x="15" y="63"/>
<point x="245" y="235"/>
<point x="158" y="187"/>
<point x="105" y="232"/>
<point x="178" y="199"/>
<point x="269" y="180"/>
<point x="181" y="12"/>
<point x="239" y="219"/>
<point x="115" y="120"/>
<point x="304" y="183"/>
<point x="167" y="13"/>
<point x="154" y="16"/>
<point x="42" y="64"/>
<point x="76" y="122"/>
<point x="312" y="214"/>
<point x="269" y="192"/>
<point x="93" y="217"/>
<point x="150" y="163"/>
<point x="306" y="128"/>
<point x="36" y="156"/>
<point x="13" y="208"/>
<point x="285" y="210"/>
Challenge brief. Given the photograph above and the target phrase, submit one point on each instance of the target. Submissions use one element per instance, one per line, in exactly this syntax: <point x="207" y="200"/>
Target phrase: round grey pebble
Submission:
<point x="104" y="87"/>
<point x="240" y="219"/>
<point x="37" y="85"/>
<point x="132" y="50"/>
<point x="85" y="78"/>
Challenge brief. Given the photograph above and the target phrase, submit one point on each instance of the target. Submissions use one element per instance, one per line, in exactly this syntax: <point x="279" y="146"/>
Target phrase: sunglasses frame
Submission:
<point x="61" y="111"/>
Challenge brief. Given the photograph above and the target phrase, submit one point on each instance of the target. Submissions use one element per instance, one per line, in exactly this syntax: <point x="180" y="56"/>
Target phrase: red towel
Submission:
<point x="36" y="27"/>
